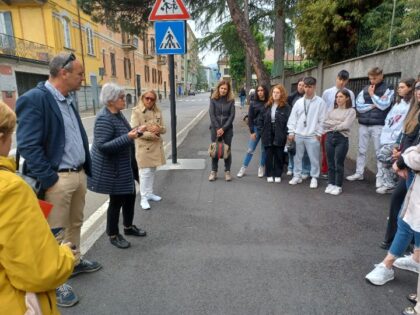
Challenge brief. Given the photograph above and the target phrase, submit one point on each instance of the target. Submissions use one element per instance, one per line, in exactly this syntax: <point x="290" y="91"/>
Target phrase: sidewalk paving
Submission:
<point x="245" y="247"/>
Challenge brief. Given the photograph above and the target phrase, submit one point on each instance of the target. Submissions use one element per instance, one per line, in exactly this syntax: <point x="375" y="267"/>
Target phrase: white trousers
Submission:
<point x="147" y="177"/>
<point x="365" y="134"/>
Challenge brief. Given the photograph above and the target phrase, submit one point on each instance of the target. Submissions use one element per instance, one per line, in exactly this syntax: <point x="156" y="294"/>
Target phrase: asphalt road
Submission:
<point x="245" y="247"/>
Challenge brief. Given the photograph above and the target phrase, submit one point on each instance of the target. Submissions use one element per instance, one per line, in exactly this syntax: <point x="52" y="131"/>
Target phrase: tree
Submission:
<point x="328" y="29"/>
<point x="127" y="15"/>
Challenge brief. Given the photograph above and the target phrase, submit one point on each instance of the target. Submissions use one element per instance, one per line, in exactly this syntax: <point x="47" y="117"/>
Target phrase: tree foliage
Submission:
<point x="328" y="29"/>
<point x="128" y="15"/>
<point x="376" y="33"/>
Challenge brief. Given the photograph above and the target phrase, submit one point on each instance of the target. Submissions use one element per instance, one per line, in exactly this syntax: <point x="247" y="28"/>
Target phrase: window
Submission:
<point x="89" y="37"/>
<point x="145" y="45"/>
<point x="104" y="60"/>
<point x="226" y="71"/>
<point x="146" y="74"/>
<point x="66" y="32"/>
<point x="159" y="77"/>
<point x="154" y="78"/>
<point x="127" y="68"/>
<point x="152" y="46"/>
<point x="6" y="30"/>
<point x="113" y="68"/>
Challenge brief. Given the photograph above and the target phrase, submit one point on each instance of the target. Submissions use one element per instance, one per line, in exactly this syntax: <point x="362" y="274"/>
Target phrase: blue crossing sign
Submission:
<point x="170" y="38"/>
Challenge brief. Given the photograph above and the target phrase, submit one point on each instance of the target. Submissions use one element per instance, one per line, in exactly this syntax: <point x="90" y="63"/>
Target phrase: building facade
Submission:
<point x="32" y="31"/>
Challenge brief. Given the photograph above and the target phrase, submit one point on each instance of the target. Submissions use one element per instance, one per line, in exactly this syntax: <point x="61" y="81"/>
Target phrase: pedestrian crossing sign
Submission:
<point x="170" y="38"/>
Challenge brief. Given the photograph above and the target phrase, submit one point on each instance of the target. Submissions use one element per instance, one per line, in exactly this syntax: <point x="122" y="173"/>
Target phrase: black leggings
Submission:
<point x="274" y="160"/>
<point x="116" y="202"/>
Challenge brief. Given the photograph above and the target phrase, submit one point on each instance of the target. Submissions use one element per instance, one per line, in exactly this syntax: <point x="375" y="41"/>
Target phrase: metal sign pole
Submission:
<point x="173" y="106"/>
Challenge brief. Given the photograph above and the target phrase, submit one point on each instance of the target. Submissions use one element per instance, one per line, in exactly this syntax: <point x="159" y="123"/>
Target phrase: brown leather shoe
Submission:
<point x="228" y="177"/>
<point x="213" y="176"/>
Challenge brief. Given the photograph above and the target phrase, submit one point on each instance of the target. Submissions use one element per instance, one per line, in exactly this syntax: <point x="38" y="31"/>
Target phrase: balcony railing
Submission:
<point x="23" y="49"/>
<point x="161" y="60"/>
<point x="129" y="42"/>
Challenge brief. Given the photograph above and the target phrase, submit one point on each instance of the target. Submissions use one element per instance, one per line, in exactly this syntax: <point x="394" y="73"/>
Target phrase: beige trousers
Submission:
<point x="68" y="199"/>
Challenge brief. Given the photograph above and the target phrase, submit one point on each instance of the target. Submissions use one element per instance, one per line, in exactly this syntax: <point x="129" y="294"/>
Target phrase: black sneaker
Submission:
<point x="86" y="266"/>
<point x="65" y="296"/>
<point x="119" y="241"/>
<point x="135" y="231"/>
<point x="324" y="176"/>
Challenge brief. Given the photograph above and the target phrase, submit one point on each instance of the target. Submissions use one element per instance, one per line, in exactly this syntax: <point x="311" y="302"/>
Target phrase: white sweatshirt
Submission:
<point x="314" y="117"/>
<point x="394" y="122"/>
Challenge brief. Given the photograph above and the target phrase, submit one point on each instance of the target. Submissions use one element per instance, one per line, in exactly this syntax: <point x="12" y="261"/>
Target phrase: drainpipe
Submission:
<point x="83" y="57"/>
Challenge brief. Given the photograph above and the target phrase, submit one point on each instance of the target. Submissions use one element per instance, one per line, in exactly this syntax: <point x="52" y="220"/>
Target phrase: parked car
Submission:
<point x="191" y="92"/>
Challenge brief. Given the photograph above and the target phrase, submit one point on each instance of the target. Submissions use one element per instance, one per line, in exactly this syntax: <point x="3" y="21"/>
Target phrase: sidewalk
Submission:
<point x="245" y="247"/>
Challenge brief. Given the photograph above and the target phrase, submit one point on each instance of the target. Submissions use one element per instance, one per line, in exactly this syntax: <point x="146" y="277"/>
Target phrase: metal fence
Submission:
<point x="357" y="84"/>
<point x="23" y="49"/>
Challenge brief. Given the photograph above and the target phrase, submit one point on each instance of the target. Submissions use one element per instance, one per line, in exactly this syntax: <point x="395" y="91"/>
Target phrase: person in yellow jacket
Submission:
<point x="32" y="264"/>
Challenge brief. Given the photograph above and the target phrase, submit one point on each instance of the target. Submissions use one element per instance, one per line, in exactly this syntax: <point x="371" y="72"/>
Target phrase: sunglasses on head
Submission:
<point x="147" y="98"/>
<point x="70" y="58"/>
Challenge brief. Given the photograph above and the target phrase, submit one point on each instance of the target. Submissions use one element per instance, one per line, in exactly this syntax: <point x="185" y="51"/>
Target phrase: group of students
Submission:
<point x="295" y="124"/>
<point x="307" y="126"/>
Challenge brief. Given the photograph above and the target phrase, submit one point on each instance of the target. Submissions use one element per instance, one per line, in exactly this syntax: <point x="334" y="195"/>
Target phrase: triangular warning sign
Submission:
<point x="169" y="41"/>
<point x="164" y="10"/>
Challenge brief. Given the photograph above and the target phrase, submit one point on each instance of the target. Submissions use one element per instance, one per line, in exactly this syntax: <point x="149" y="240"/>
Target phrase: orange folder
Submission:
<point x="45" y="207"/>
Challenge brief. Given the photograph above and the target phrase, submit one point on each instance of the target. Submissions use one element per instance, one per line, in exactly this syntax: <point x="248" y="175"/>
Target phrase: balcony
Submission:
<point x="161" y="60"/>
<point x="11" y="2"/>
<point x="18" y="48"/>
<point x="129" y="42"/>
<point x="148" y="55"/>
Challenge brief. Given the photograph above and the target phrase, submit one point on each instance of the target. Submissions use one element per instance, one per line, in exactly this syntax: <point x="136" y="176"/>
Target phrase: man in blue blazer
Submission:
<point x="51" y="138"/>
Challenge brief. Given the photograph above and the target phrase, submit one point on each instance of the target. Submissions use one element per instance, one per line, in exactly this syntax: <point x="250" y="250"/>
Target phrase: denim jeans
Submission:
<point x="275" y="161"/>
<point x="252" y="145"/>
<point x="337" y="147"/>
<point x="404" y="233"/>
<point x="403" y="238"/>
<point x="306" y="163"/>
<point x="242" y="98"/>
<point x="312" y="146"/>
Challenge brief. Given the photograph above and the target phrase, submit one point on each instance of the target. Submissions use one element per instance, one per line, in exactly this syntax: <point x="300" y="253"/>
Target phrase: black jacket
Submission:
<point x="275" y="134"/>
<point x="256" y="115"/>
<point x="222" y="113"/>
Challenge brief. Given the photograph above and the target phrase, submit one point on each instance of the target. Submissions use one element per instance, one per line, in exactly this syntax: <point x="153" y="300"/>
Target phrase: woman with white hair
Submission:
<point x="114" y="167"/>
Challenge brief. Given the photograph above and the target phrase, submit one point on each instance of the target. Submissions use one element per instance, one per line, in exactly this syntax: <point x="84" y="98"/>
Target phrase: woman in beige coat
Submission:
<point x="149" y="147"/>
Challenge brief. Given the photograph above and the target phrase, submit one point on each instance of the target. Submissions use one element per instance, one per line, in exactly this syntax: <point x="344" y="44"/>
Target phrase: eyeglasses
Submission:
<point x="147" y="98"/>
<point x="70" y="58"/>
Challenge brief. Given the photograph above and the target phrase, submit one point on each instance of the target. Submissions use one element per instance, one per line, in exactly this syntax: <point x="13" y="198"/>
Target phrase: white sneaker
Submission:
<point x="270" y="180"/>
<point x="241" y="172"/>
<point x="380" y="275"/>
<point x="407" y="263"/>
<point x="314" y="183"/>
<point x="379" y="182"/>
<point x="383" y="190"/>
<point x="289" y="173"/>
<point x="277" y="179"/>
<point x="336" y="191"/>
<point x="305" y="176"/>
<point x="354" y="177"/>
<point x="144" y="204"/>
<point x="153" y="197"/>
<point x="295" y="180"/>
<point x="329" y="188"/>
<point x="261" y="170"/>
